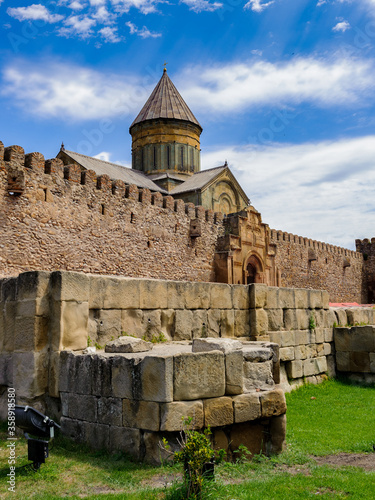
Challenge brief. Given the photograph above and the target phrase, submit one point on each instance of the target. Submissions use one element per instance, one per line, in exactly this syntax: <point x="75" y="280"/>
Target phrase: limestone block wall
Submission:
<point x="301" y="322"/>
<point x="306" y="263"/>
<point x="59" y="217"/>
<point x="355" y="352"/>
<point x="129" y="402"/>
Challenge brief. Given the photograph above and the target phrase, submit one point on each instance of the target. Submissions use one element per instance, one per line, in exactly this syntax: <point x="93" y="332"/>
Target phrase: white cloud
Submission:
<point x="34" y="12"/>
<point x="341" y="26"/>
<point x="103" y="16"/>
<point x="236" y="87"/>
<point x="78" y="26"/>
<point x="257" y="5"/>
<point x="104" y="155"/>
<point x="318" y="190"/>
<point x="144" y="6"/>
<point x="110" y="34"/>
<point x="70" y="92"/>
<point x="143" y="32"/>
<point x="202" y="5"/>
<point x="321" y="2"/>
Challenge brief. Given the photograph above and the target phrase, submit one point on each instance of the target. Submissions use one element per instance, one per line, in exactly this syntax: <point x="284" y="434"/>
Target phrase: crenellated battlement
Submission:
<point x="281" y="236"/>
<point x="16" y="159"/>
<point x="366" y="246"/>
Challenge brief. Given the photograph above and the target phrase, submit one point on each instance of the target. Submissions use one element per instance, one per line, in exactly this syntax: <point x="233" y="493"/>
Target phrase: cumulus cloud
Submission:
<point x="144" y="6"/>
<point x="236" y="87"/>
<point x="202" y="5"/>
<point x="257" y="5"/>
<point x="80" y="26"/>
<point x="341" y="26"/>
<point x="110" y="34"/>
<point x="143" y="32"/>
<point x="35" y="12"/>
<point x="321" y="190"/>
<point x="49" y="90"/>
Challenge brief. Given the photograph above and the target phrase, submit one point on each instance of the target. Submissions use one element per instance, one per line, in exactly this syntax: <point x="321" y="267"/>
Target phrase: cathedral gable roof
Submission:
<point x="165" y="102"/>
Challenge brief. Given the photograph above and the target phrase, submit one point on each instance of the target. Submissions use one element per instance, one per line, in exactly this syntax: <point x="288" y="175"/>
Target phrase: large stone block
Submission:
<point x="342" y="338"/>
<point x="218" y="412"/>
<point x="213" y="323"/>
<point x="197" y="295"/>
<point x="295" y="369"/>
<point x="315" y="299"/>
<point x="287" y="354"/>
<point x="177" y="294"/>
<point x="246" y="407"/>
<point x="221" y="296"/>
<point x="33" y="285"/>
<point x="153" y="294"/>
<point x="303" y="317"/>
<point x="319" y="335"/>
<point x="183" y="322"/>
<point x="277" y="443"/>
<point x="76" y="373"/>
<point x="156" y="378"/>
<point x="359" y="362"/>
<point x="234" y="372"/>
<point x="128" y="344"/>
<point x="300" y="352"/>
<point x="141" y="414"/>
<point x="6" y="369"/>
<point x="79" y="406"/>
<point x="124" y="293"/>
<point x="125" y="383"/>
<point x="126" y="440"/>
<point x="9" y="324"/>
<point x="132" y="322"/>
<point x="328" y="335"/>
<point x="199" y="323"/>
<point x="252" y="435"/>
<point x="258" y="296"/>
<point x="227" y="323"/>
<point x="258" y="322"/>
<point x="172" y="415"/>
<point x="96" y="435"/>
<point x="53" y="374"/>
<point x="31" y="333"/>
<point x="287" y="298"/>
<point x="30" y="374"/>
<point x="151" y="323"/>
<point x="290" y="319"/>
<point x="363" y="339"/>
<point x="272" y="403"/>
<point x="66" y="286"/>
<point x="342" y="361"/>
<point x="108" y="325"/>
<point x="110" y="411"/>
<point x="205" y="373"/>
<point x="73" y="429"/>
<point x="241" y="323"/>
<point x="301" y="298"/>
<point x="275" y="319"/>
<point x="69" y="325"/>
<point x="257" y="352"/>
<point x="342" y="319"/>
<point x="241" y="297"/>
<point x="101" y="375"/>
<point x="258" y="375"/>
<point x="216" y="344"/>
<point x="283" y="339"/>
<point x="372" y="362"/>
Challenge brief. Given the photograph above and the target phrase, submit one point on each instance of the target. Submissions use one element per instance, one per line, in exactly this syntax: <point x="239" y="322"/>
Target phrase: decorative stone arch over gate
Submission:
<point x="253" y="269"/>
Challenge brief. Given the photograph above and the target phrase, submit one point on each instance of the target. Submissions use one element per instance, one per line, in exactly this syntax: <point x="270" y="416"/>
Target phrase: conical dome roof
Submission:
<point x="165" y="102"/>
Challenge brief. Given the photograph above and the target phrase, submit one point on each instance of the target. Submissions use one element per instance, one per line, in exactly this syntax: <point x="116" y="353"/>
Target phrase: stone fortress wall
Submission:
<point x="306" y="263"/>
<point x="56" y="217"/>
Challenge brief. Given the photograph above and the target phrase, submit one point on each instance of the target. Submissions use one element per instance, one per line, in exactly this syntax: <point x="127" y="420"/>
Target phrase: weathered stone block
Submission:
<point x="342" y="319"/>
<point x="283" y="339"/>
<point x="173" y="414"/>
<point x="6" y="370"/>
<point x="141" y="414"/>
<point x="246" y="407"/>
<point x="183" y="322"/>
<point x="359" y="362"/>
<point x="275" y="319"/>
<point x="342" y="339"/>
<point x="342" y="361"/>
<point x="153" y="294"/>
<point x="372" y="362"/>
<point x="287" y="298"/>
<point x="302" y="337"/>
<point x="287" y="354"/>
<point x="126" y="440"/>
<point x="241" y="298"/>
<point x="258" y="322"/>
<point x="73" y="429"/>
<point x="321" y="364"/>
<point x="128" y="344"/>
<point x="258" y="296"/>
<point x="241" y="323"/>
<point x="110" y="411"/>
<point x="300" y="352"/>
<point x="108" y="325"/>
<point x="277" y="442"/>
<point x="363" y="339"/>
<point x="325" y="299"/>
<point x="69" y="326"/>
<point x="234" y="372"/>
<point x="205" y="373"/>
<point x="96" y="435"/>
<point x="272" y="403"/>
<point x="301" y="298"/>
<point x="315" y="299"/>
<point x="30" y="374"/>
<point x="290" y="319"/>
<point x="66" y="286"/>
<point x="227" y="323"/>
<point x="319" y="335"/>
<point x="327" y="348"/>
<point x="31" y="333"/>
<point x="125" y="383"/>
<point x="132" y="322"/>
<point x="303" y="317"/>
<point x="249" y="434"/>
<point x="79" y="406"/>
<point x="257" y="375"/>
<point x="221" y="296"/>
<point x="331" y="366"/>
<point x="53" y="374"/>
<point x="257" y="353"/>
<point x="198" y="325"/>
<point x="197" y="295"/>
<point x="328" y="335"/>
<point x="213" y="322"/>
<point x="33" y="285"/>
<point x="156" y="378"/>
<point x="218" y="411"/>
<point x="216" y="344"/>
<point x="220" y="441"/>
<point x="177" y="295"/>
<point x="295" y="369"/>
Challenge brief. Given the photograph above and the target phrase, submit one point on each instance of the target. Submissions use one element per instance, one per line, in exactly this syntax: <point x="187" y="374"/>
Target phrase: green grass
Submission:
<point x="341" y="418"/>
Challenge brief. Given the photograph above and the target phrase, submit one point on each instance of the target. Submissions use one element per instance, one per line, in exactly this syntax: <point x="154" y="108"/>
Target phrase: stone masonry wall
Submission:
<point x="55" y="217"/>
<point x="305" y="263"/>
<point x="367" y="249"/>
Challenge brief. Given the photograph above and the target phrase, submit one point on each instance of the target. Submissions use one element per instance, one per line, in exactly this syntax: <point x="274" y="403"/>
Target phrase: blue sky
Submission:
<point x="284" y="90"/>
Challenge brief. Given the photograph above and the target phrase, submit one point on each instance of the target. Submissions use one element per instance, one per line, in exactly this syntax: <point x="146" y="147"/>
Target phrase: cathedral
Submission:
<point x="166" y="155"/>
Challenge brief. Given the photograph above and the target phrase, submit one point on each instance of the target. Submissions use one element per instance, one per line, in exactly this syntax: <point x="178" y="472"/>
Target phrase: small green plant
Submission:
<point x="155" y="339"/>
<point x="197" y="456"/>
<point x="89" y="341"/>
<point x="98" y="346"/>
<point x="312" y="324"/>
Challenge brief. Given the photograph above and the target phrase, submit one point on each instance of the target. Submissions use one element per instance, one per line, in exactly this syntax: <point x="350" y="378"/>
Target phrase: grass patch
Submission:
<point x="341" y="418"/>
